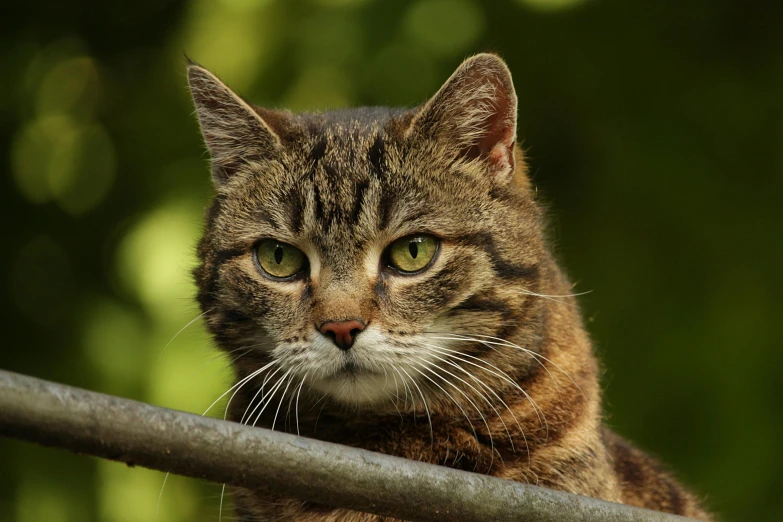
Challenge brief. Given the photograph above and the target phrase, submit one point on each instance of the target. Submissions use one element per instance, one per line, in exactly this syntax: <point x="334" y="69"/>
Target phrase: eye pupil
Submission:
<point x="278" y="254"/>
<point x="413" y="248"/>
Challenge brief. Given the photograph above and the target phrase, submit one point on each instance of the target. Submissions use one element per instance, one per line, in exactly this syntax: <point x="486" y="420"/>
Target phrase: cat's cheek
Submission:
<point x="416" y="300"/>
<point x="279" y="309"/>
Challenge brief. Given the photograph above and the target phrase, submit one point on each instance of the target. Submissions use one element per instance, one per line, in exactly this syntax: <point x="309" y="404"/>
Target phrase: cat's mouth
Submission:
<point x="353" y="383"/>
<point x="350" y="368"/>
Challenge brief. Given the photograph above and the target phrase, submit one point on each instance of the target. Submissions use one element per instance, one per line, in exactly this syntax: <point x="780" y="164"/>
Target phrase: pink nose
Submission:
<point x="342" y="333"/>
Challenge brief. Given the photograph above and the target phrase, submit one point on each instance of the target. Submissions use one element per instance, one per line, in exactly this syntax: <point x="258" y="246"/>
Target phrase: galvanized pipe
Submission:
<point x="139" y="434"/>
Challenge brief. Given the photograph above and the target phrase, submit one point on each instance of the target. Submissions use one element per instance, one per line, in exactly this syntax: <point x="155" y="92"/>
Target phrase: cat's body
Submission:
<point x="477" y="359"/>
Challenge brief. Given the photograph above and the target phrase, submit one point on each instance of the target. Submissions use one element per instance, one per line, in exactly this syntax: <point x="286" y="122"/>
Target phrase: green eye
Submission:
<point x="412" y="253"/>
<point x="278" y="259"/>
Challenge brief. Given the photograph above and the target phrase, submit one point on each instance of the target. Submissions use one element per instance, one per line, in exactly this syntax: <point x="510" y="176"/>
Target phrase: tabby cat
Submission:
<point x="381" y="279"/>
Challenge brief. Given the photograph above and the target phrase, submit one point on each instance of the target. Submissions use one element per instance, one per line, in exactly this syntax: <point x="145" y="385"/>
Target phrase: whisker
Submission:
<point x="282" y="396"/>
<point x="406" y="388"/>
<point x="481" y="394"/>
<point x="426" y="408"/>
<point x="554" y="297"/>
<point x="296" y="407"/>
<point x="199" y="316"/>
<point x="467" y="397"/>
<point x="537" y="355"/>
<point x="492" y="344"/>
<point x="220" y="511"/>
<point x="396" y="386"/>
<point x="244" y="352"/>
<point x="536" y="408"/>
<point x="502" y="375"/>
<point x="503" y="342"/>
<point x="239" y="386"/>
<point x="315" y="425"/>
<point x="259" y="392"/>
<point x="236" y="387"/>
<point x="266" y="399"/>
<point x="396" y="397"/>
<point x="450" y="396"/>
<point x="160" y="495"/>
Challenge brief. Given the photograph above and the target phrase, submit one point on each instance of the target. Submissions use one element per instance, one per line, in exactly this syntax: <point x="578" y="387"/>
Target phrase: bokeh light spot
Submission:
<point x="156" y="257"/>
<point x="321" y="87"/>
<point x="190" y="375"/>
<point x="550" y="5"/>
<point x="131" y="494"/>
<point x="330" y="38"/>
<point x="72" y="85"/>
<point x="342" y="3"/>
<point x="86" y="173"/>
<point x="61" y="153"/>
<point x="31" y="155"/>
<point x="39" y="500"/>
<point x="445" y="27"/>
<point x="244" y="5"/>
<point x="57" y="158"/>
<point x="236" y="54"/>
<point x="401" y="75"/>
<point x="47" y="59"/>
<point x="113" y="341"/>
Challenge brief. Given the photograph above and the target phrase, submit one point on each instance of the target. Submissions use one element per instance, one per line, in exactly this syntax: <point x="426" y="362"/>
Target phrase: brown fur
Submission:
<point x="513" y="392"/>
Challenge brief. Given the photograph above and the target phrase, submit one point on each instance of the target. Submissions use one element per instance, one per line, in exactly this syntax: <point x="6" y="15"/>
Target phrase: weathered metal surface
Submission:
<point x="139" y="434"/>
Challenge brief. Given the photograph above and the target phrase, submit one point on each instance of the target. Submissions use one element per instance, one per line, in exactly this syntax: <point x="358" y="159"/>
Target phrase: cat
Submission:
<point x="384" y="273"/>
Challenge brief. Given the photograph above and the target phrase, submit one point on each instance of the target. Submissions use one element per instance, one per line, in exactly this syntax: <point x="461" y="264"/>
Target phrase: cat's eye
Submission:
<point x="280" y="260"/>
<point x="411" y="254"/>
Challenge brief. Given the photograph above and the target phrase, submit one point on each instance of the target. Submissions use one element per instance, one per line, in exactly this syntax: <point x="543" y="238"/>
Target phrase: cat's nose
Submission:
<point x="342" y="333"/>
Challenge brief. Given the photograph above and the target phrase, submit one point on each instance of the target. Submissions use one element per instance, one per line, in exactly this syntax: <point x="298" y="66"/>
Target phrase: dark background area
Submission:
<point x="654" y="131"/>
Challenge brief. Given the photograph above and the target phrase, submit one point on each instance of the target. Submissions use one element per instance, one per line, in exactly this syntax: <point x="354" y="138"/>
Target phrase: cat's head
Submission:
<point x="359" y="248"/>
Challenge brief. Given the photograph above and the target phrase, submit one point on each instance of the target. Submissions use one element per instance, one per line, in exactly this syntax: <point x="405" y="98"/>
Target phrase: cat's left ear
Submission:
<point x="235" y="132"/>
<point x="475" y="114"/>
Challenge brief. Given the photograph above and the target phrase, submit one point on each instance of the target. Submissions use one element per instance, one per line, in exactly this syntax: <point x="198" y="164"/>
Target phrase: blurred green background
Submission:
<point x="654" y="132"/>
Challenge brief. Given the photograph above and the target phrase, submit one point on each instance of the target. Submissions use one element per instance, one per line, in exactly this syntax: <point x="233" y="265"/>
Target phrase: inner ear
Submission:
<point x="496" y="135"/>
<point x="474" y="114"/>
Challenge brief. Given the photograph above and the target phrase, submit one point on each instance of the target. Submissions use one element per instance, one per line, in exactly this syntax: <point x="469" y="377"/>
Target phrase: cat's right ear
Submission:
<point x="234" y="132"/>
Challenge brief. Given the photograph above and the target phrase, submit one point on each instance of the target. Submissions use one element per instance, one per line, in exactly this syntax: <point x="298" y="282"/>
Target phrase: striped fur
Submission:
<point x="471" y="363"/>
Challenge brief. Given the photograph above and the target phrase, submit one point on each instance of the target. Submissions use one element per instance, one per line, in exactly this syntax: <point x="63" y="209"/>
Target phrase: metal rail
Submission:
<point x="139" y="434"/>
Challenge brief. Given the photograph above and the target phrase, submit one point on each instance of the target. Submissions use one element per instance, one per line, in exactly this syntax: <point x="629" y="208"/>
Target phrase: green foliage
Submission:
<point x="654" y="129"/>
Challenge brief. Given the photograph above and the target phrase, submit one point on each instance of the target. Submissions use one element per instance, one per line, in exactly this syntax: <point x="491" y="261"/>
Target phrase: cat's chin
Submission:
<point x="358" y="388"/>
